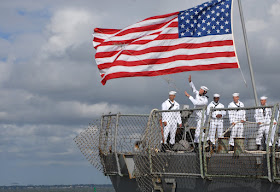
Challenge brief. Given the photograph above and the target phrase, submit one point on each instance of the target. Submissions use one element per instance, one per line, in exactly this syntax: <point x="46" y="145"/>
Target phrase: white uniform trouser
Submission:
<point x="171" y="128"/>
<point x="273" y="132"/>
<point x="197" y="130"/>
<point x="236" y="131"/>
<point x="215" y="125"/>
<point x="263" y="129"/>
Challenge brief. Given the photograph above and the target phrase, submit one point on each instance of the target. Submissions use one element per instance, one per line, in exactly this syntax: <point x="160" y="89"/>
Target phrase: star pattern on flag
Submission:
<point x="210" y="18"/>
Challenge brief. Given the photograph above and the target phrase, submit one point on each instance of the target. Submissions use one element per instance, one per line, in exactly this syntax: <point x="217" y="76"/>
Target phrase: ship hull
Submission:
<point x="165" y="181"/>
<point x="186" y="184"/>
<point x="123" y="184"/>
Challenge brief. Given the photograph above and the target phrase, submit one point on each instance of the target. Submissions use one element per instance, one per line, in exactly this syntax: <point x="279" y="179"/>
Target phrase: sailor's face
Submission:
<point x="216" y="99"/>
<point x="235" y="99"/>
<point x="172" y="97"/>
<point x="201" y="91"/>
<point x="263" y="102"/>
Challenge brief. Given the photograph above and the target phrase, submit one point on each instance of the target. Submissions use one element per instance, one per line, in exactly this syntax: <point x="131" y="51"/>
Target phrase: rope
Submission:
<point x="246" y="122"/>
<point x="243" y="77"/>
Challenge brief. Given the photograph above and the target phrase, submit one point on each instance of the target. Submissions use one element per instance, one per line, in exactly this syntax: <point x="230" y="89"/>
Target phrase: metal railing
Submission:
<point x="276" y="148"/>
<point x="245" y="160"/>
<point x="106" y="139"/>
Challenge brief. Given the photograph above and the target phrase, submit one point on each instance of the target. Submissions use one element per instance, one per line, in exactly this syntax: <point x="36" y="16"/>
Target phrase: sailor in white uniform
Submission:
<point x="199" y="101"/>
<point x="263" y="118"/>
<point x="170" y="120"/>
<point x="216" y="119"/>
<point x="236" y="118"/>
<point x="274" y="130"/>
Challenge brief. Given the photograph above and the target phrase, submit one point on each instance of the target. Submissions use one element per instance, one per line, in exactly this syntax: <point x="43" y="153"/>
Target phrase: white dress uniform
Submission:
<point x="215" y="123"/>
<point x="198" y="102"/>
<point x="172" y="119"/>
<point x="274" y="129"/>
<point x="234" y="117"/>
<point x="263" y="116"/>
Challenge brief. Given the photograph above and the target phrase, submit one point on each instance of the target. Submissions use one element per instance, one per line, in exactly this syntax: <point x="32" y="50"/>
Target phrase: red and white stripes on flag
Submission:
<point x="152" y="47"/>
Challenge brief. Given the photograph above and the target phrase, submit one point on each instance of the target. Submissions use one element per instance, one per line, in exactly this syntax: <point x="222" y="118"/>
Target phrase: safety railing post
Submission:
<point x="274" y="142"/>
<point x="150" y="124"/>
<point x="100" y="144"/>
<point x="101" y="128"/>
<point x="268" y="155"/>
<point x="200" y="142"/>
<point x="115" y="145"/>
<point x="204" y="146"/>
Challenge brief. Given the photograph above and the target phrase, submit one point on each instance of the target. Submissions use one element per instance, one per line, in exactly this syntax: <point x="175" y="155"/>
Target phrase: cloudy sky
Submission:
<point x="50" y="87"/>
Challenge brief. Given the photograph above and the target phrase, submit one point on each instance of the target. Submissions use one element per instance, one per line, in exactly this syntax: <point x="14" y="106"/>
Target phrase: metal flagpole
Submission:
<point x="248" y="52"/>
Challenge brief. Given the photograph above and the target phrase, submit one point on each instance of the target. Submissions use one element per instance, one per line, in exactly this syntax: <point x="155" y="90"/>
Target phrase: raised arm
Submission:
<point x="192" y="85"/>
<point x="198" y="102"/>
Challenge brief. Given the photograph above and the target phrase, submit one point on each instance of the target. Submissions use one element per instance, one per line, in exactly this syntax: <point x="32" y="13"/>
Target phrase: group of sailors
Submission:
<point x="237" y="118"/>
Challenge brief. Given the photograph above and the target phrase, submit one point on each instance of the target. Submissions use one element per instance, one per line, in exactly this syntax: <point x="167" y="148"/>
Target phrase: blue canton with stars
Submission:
<point x="210" y="18"/>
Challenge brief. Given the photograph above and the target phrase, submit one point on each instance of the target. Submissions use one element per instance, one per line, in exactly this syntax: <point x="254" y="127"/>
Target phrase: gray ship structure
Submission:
<point x="128" y="149"/>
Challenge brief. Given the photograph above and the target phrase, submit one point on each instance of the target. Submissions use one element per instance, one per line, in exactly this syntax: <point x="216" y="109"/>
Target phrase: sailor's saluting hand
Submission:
<point x="190" y="80"/>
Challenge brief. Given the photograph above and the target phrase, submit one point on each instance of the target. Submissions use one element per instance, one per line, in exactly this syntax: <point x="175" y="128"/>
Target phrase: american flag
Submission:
<point x="196" y="39"/>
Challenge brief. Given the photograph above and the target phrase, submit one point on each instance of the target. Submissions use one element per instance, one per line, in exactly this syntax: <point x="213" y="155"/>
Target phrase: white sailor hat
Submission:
<point x="172" y="93"/>
<point x="263" y="98"/>
<point x="216" y="95"/>
<point x="235" y="94"/>
<point x="204" y="88"/>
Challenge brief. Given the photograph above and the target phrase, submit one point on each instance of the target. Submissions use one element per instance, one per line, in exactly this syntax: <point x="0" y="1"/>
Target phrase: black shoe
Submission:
<point x="168" y="146"/>
<point x="208" y="148"/>
<point x="171" y="146"/>
<point x="163" y="148"/>
<point x="196" y="147"/>
<point x="213" y="148"/>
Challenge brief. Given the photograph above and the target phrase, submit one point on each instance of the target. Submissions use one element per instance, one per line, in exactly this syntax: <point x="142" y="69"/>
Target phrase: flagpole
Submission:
<point x="248" y="52"/>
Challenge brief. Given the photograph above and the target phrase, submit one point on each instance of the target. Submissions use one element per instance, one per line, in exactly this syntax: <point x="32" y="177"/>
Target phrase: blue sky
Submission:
<point x="50" y="87"/>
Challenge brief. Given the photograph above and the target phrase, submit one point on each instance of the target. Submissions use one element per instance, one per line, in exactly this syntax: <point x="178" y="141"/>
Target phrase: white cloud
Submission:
<point x="25" y="107"/>
<point x="255" y="25"/>
<point x="5" y="69"/>
<point x="275" y="8"/>
<point x="5" y="47"/>
<point x="69" y="27"/>
<point x="271" y="43"/>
